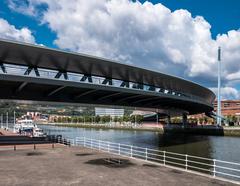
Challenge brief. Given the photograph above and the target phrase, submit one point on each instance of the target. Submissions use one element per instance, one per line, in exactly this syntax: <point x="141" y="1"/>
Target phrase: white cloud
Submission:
<point x="228" y="93"/>
<point x="8" y="31"/>
<point x="142" y="34"/>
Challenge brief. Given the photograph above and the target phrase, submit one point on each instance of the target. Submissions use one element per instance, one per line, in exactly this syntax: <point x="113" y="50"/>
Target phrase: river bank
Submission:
<point x="102" y="126"/>
<point x="232" y="131"/>
<point x="224" y="131"/>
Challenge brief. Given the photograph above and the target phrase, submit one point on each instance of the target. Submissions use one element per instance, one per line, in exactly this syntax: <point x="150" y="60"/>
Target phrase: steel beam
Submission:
<point x="146" y="99"/>
<point x="84" y="94"/>
<point x="129" y="97"/>
<point x="3" y="68"/>
<point x="36" y="71"/>
<point x="60" y="73"/>
<point x="108" y="96"/>
<point x="29" y="70"/>
<point x="107" y="81"/>
<point x="125" y="84"/>
<point x="151" y="88"/>
<point x="55" y="91"/>
<point x="19" y="89"/>
<point x="87" y="77"/>
<point x="137" y="86"/>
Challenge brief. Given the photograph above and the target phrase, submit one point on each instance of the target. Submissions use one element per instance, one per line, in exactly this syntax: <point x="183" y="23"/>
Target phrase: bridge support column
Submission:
<point x="184" y="119"/>
<point x="168" y="120"/>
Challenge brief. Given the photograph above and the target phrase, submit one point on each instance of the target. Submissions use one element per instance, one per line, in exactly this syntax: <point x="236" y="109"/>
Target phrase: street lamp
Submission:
<point x="219" y="89"/>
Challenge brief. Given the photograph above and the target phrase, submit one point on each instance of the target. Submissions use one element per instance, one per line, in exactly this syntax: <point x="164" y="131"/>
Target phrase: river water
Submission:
<point x="215" y="147"/>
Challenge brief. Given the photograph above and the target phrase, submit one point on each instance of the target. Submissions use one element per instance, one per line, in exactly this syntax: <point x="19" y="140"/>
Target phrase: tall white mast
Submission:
<point x="219" y="89"/>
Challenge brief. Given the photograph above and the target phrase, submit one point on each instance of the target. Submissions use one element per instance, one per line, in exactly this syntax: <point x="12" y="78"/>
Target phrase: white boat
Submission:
<point x="27" y="127"/>
<point x="37" y="132"/>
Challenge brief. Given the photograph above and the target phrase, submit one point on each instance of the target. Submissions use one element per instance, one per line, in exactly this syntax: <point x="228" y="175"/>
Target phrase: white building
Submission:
<point x="108" y="112"/>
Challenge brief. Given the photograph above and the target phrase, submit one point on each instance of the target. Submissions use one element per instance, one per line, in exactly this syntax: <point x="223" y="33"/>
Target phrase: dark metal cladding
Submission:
<point x="42" y="57"/>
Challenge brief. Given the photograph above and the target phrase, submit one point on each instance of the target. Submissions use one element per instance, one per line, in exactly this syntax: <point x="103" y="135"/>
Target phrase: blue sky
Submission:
<point x="178" y="37"/>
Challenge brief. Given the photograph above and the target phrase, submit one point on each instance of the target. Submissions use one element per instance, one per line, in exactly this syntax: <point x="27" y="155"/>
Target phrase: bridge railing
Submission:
<point x="51" y="74"/>
<point x="213" y="167"/>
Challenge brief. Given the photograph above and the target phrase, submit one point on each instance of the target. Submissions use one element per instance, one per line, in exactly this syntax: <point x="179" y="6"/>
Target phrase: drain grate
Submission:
<point x="111" y="162"/>
<point x="83" y="154"/>
<point x="34" y="153"/>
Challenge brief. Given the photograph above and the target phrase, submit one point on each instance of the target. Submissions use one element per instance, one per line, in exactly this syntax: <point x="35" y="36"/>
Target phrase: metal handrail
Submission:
<point x="188" y="162"/>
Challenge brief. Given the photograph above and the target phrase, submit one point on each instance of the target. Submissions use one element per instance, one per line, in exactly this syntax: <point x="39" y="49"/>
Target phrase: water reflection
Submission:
<point x="218" y="147"/>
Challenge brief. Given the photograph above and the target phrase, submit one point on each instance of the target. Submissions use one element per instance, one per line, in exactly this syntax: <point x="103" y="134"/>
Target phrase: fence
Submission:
<point x="214" y="167"/>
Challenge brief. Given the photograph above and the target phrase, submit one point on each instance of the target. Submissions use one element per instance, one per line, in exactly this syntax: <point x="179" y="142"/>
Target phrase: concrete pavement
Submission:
<point x="82" y="166"/>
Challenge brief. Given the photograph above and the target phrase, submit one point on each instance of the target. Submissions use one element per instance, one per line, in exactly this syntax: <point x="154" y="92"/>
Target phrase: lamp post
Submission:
<point x="1" y="121"/>
<point x="14" y="118"/>
<point x="7" y="120"/>
<point x="219" y="89"/>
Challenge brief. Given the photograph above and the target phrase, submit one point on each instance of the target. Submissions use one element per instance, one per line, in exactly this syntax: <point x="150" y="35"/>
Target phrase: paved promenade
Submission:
<point x="81" y="166"/>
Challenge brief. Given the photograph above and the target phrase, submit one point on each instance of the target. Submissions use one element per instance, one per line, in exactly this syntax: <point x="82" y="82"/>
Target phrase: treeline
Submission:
<point x="98" y="119"/>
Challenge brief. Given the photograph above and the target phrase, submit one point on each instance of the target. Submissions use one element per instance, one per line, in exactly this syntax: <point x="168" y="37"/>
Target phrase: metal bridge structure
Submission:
<point x="36" y="73"/>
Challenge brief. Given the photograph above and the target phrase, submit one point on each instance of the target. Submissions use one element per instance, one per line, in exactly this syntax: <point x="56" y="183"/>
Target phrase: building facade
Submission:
<point x="109" y="112"/>
<point x="229" y="107"/>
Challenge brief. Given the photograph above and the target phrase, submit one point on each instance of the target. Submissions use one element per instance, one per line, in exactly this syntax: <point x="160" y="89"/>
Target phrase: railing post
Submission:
<point x="84" y="142"/>
<point x="131" y="152"/>
<point x="119" y="147"/>
<point x="91" y="143"/>
<point x="108" y="146"/>
<point x="186" y="161"/>
<point x="146" y="157"/>
<point x="34" y="146"/>
<point x="214" y="168"/>
<point x="99" y="145"/>
<point x="15" y="147"/>
<point x="164" y="157"/>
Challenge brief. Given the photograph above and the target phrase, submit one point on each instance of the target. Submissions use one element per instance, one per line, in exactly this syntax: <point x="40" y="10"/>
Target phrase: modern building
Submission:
<point x="229" y="107"/>
<point x="109" y="112"/>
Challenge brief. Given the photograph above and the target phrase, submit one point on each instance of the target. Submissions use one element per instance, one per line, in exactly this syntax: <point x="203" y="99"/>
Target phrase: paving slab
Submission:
<point x="83" y="166"/>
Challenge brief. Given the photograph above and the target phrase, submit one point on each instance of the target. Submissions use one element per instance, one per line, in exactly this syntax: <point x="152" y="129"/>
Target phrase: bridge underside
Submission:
<point x="50" y="90"/>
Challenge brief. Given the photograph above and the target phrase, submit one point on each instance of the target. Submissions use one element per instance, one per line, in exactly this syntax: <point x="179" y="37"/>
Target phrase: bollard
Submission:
<point x="164" y="157"/>
<point x="14" y="147"/>
<point x="214" y="168"/>
<point x="186" y="160"/>
<point x="34" y="146"/>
